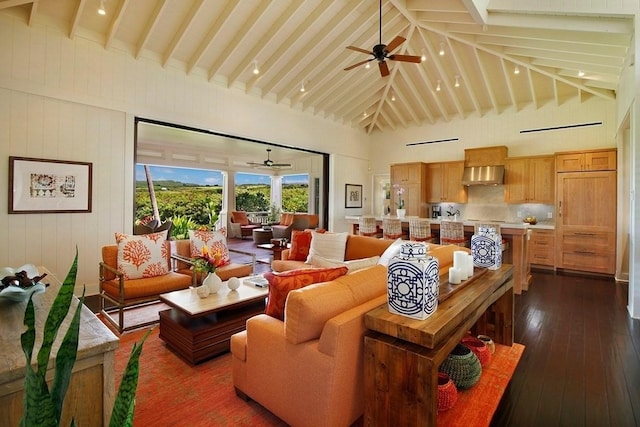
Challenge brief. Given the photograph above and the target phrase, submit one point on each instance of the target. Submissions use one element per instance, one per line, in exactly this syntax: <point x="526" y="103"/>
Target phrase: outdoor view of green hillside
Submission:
<point x="195" y="202"/>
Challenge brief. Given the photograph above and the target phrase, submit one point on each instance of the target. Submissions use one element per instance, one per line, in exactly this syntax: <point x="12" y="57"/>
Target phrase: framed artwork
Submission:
<point x="352" y="196"/>
<point x="49" y="186"/>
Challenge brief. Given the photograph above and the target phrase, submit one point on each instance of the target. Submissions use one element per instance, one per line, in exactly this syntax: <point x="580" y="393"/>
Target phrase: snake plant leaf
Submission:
<point x="57" y="313"/>
<point x="65" y="359"/>
<point x="38" y="409"/>
<point x="122" y="414"/>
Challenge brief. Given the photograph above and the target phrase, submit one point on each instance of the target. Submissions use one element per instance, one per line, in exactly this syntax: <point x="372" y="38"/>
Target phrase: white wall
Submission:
<point x="73" y="100"/>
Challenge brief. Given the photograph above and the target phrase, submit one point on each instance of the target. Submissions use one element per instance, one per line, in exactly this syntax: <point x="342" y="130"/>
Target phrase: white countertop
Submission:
<point x="538" y="226"/>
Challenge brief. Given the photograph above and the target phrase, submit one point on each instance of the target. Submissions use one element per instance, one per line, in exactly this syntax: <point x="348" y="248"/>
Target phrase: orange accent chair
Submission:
<point x="241" y="226"/>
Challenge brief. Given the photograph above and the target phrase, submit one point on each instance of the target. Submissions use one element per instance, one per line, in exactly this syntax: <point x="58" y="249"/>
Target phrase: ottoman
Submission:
<point x="261" y="236"/>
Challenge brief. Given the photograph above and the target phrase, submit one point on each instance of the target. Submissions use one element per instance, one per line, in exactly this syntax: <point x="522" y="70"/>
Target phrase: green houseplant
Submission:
<point x="43" y="406"/>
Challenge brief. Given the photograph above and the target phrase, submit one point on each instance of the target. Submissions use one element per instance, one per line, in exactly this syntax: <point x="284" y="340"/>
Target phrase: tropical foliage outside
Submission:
<point x="190" y="206"/>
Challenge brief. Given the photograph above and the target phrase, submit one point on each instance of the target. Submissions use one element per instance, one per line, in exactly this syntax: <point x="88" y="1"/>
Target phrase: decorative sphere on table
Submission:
<point x="233" y="283"/>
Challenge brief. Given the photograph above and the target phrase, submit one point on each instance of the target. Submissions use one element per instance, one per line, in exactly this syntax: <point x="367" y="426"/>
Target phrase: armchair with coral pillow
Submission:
<point x="240" y="225"/>
<point x="187" y="249"/>
<point x="136" y="271"/>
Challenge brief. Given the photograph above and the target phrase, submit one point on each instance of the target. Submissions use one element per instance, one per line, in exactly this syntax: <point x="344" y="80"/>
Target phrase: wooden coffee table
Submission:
<point x="200" y="328"/>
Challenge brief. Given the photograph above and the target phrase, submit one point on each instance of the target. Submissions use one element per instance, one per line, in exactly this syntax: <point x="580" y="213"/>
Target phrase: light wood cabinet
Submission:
<point x="530" y="180"/>
<point x="586" y="221"/>
<point x="445" y="183"/>
<point x="542" y="248"/>
<point x="413" y="178"/>
<point x="597" y="160"/>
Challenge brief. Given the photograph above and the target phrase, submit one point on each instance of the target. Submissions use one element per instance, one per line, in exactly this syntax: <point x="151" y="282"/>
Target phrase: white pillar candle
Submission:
<point x="470" y="265"/>
<point x="454" y="275"/>
<point x="460" y="260"/>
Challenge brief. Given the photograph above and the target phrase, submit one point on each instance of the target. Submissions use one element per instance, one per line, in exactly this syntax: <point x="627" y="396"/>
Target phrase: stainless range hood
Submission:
<point x="483" y="175"/>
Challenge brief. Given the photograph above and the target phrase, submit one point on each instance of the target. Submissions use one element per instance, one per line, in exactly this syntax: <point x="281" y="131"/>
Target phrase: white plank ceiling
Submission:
<point x="560" y="54"/>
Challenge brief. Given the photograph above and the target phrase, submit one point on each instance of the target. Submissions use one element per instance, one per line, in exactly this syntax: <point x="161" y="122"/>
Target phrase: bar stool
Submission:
<point x="492" y="226"/>
<point x="367" y="226"/>
<point x="391" y="228"/>
<point x="420" y="230"/>
<point x="452" y="233"/>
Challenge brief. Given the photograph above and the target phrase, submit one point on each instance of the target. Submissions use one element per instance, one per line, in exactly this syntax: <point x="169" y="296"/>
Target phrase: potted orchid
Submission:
<point x="208" y="263"/>
<point x="401" y="211"/>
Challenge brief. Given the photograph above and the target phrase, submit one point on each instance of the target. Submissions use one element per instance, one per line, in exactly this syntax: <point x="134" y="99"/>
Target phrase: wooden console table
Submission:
<point x="402" y="355"/>
<point x="91" y="393"/>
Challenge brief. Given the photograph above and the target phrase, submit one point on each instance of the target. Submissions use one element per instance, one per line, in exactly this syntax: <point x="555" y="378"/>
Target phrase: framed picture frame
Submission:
<point x="352" y="196"/>
<point x="49" y="186"/>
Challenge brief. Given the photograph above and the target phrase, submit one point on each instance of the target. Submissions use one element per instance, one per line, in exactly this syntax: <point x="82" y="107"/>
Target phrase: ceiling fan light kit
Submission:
<point x="381" y="52"/>
<point x="268" y="163"/>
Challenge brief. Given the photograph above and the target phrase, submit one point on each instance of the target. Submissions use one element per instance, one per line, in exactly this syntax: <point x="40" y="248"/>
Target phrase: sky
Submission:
<point x="209" y="177"/>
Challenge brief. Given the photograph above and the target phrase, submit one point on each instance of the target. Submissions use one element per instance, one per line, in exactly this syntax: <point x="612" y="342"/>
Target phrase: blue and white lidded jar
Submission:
<point x="413" y="282"/>
<point x="486" y="248"/>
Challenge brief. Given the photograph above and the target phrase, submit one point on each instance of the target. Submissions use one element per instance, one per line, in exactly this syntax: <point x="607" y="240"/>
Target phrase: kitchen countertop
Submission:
<point x="543" y="225"/>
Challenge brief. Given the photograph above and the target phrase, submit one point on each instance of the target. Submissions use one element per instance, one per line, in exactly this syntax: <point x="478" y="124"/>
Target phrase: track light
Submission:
<point x="393" y="97"/>
<point x="424" y="56"/>
<point x="438" y="86"/>
<point x="256" y="70"/>
<point x="302" y="89"/>
<point x="516" y="70"/>
<point x="441" y="53"/>
<point x="101" y="10"/>
<point x="367" y="66"/>
<point x="580" y="73"/>
<point x="457" y="83"/>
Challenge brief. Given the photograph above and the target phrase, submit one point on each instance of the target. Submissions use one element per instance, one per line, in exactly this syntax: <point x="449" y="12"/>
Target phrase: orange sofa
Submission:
<point x="309" y="369"/>
<point x="358" y="247"/>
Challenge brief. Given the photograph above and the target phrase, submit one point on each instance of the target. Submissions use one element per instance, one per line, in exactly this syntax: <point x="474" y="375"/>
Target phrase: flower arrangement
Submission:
<point x="207" y="262"/>
<point x="399" y="191"/>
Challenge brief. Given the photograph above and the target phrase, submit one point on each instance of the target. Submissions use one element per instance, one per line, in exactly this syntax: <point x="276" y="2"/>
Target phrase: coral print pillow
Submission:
<point x="144" y="255"/>
<point x="213" y="240"/>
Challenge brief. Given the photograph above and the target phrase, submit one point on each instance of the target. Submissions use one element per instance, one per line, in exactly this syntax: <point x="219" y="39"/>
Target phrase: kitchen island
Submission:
<point x="516" y="236"/>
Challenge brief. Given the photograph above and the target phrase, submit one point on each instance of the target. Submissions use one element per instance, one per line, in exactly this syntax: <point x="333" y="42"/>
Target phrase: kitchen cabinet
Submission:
<point x="542" y="248"/>
<point x="445" y="183"/>
<point x="413" y="178"/>
<point x="586" y="221"/>
<point x="596" y="160"/>
<point x="530" y="180"/>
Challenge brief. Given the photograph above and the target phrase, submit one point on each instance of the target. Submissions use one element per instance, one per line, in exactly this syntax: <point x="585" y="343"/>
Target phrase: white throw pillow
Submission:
<point x="328" y="245"/>
<point x="390" y="252"/>
<point x="353" y="265"/>
<point x="143" y="255"/>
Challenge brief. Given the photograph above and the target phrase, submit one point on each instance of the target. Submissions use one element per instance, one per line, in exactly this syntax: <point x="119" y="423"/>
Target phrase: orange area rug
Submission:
<point x="171" y="392"/>
<point x="475" y="407"/>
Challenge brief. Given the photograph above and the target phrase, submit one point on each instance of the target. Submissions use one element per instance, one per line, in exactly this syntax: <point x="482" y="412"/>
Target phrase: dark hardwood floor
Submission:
<point x="581" y="366"/>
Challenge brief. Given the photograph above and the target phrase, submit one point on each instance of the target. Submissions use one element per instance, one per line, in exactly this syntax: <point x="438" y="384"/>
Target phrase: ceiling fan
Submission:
<point x="269" y="163"/>
<point x="381" y="52"/>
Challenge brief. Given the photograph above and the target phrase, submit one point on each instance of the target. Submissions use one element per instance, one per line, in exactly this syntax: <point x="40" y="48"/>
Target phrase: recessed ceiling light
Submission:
<point x="516" y="70"/>
<point x="457" y="83"/>
<point x="256" y="70"/>
<point x="441" y="53"/>
<point x="580" y="73"/>
<point x="438" y="86"/>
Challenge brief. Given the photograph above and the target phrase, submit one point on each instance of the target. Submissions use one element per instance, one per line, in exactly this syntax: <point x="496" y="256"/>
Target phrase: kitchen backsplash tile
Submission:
<point x="486" y="202"/>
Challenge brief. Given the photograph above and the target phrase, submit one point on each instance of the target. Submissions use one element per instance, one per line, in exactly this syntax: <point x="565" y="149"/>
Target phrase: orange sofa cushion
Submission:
<point x="300" y="244"/>
<point x="364" y="247"/>
<point x="280" y="284"/>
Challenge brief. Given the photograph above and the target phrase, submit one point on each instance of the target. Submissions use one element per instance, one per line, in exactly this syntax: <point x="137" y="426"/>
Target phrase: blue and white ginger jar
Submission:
<point x="413" y="282"/>
<point x="486" y="249"/>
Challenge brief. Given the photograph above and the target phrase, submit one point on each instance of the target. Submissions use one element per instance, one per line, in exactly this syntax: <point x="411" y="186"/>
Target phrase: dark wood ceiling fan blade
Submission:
<point x="357" y="64"/>
<point x="395" y="43"/>
<point x="384" y="68"/>
<point x="358" y="49"/>
<point x="405" y="58"/>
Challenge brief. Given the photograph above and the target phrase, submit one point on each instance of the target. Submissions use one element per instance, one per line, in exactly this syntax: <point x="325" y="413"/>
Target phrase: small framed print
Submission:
<point x="49" y="186"/>
<point x="353" y="196"/>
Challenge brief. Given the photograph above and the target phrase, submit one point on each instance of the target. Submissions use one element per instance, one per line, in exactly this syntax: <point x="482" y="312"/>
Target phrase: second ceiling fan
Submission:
<point x="381" y="52"/>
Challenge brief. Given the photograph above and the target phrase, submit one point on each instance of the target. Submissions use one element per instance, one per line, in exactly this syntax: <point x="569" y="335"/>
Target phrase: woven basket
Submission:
<point x="486" y="339"/>
<point x="463" y="366"/>
<point x="447" y="392"/>
<point x="479" y="348"/>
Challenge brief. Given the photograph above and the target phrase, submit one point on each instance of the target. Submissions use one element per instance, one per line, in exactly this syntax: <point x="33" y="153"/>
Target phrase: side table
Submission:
<point x="261" y="236"/>
<point x="276" y="250"/>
